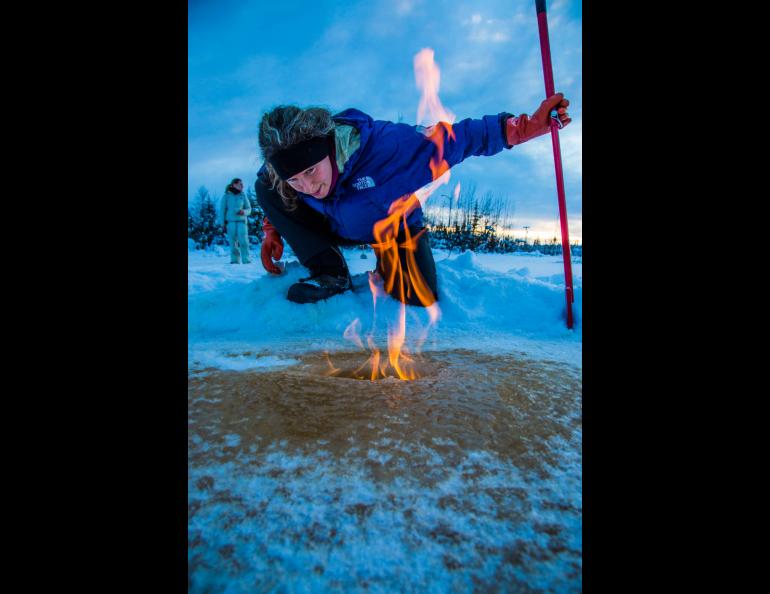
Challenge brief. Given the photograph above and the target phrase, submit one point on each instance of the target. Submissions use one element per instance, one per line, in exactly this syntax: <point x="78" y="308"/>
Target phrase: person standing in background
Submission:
<point x="233" y="210"/>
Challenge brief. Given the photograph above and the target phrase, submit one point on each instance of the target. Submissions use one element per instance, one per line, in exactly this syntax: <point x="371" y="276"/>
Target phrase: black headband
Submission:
<point x="299" y="157"/>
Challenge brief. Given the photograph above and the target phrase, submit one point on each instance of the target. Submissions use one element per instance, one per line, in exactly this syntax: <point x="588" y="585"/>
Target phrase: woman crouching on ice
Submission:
<point x="327" y="179"/>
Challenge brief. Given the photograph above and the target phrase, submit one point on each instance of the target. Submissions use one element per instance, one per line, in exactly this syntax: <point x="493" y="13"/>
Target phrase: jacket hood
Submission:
<point x="365" y="125"/>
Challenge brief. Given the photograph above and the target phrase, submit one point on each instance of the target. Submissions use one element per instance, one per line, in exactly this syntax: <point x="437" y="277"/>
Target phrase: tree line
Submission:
<point x="467" y="221"/>
<point x="464" y="221"/>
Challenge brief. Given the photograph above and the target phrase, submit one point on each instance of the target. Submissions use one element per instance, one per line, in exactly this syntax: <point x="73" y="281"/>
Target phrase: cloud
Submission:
<point x="492" y="30"/>
<point x="540" y="152"/>
<point x="404" y="7"/>
<point x="486" y="35"/>
<point x="489" y="56"/>
<point x="214" y="168"/>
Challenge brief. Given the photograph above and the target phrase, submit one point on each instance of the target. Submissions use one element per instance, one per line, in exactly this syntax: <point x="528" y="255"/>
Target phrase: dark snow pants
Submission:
<point x="309" y="234"/>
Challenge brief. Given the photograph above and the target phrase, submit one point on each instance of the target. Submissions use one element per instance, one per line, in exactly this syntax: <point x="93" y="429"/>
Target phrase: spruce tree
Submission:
<point x="191" y="224"/>
<point x="254" y="219"/>
<point x="208" y="217"/>
<point x="202" y="220"/>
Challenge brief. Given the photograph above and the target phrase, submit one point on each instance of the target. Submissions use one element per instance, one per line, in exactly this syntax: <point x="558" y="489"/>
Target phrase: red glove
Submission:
<point x="272" y="247"/>
<point x="523" y="128"/>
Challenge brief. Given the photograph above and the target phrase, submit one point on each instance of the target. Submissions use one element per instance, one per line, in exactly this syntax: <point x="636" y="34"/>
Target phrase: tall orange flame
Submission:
<point x="410" y="283"/>
<point x="427" y="76"/>
<point x="406" y="282"/>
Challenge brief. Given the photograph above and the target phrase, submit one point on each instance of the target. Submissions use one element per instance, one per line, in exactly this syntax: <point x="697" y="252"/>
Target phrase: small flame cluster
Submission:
<point x="403" y="280"/>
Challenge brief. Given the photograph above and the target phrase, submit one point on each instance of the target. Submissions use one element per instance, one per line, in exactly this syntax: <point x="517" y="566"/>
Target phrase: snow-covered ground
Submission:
<point x="488" y="302"/>
<point x="468" y="479"/>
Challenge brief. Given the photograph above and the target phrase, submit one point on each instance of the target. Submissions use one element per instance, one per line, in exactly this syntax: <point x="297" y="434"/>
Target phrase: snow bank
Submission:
<point x="480" y="296"/>
<point x="474" y="297"/>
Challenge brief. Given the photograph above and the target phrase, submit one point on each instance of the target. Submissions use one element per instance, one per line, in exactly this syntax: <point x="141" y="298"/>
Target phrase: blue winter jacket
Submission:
<point x="393" y="160"/>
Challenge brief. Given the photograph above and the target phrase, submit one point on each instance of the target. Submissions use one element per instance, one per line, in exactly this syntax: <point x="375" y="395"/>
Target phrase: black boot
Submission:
<point x="329" y="276"/>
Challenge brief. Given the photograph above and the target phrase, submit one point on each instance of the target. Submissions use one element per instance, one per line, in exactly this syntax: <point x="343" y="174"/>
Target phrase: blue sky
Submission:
<point x="246" y="56"/>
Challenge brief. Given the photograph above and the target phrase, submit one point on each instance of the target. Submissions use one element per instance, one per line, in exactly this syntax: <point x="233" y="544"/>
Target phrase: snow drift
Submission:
<point x="486" y="301"/>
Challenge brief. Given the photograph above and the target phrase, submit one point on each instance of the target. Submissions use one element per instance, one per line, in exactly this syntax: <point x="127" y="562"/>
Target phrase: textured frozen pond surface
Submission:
<point x="466" y="480"/>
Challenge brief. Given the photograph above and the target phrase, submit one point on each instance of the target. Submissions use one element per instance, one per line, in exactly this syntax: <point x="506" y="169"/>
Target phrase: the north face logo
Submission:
<point x="363" y="182"/>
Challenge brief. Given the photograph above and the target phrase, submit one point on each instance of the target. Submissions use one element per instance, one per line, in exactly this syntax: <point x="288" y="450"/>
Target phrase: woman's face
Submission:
<point x="315" y="180"/>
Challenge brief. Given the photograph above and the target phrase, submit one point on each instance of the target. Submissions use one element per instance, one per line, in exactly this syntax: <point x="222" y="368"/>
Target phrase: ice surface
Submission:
<point x="304" y="483"/>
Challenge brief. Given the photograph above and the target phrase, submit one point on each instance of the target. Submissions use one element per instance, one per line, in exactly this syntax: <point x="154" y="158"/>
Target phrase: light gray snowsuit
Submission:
<point x="237" y="226"/>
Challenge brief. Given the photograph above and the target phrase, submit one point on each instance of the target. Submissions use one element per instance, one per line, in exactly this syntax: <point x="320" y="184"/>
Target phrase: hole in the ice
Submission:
<point x="415" y="373"/>
<point x="361" y="367"/>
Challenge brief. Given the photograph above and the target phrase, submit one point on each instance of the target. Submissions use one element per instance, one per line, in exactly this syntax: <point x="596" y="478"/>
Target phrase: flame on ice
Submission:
<point x="403" y="279"/>
<point x="375" y="360"/>
<point x="351" y="333"/>
<point x="332" y="368"/>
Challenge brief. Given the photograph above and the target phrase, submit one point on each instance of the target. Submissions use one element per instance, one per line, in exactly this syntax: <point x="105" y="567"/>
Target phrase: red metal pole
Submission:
<point x="545" y="50"/>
